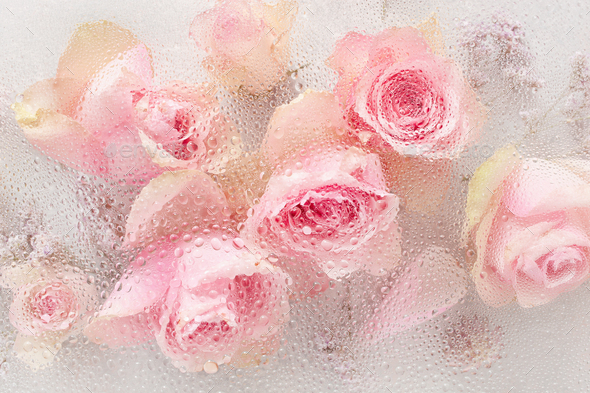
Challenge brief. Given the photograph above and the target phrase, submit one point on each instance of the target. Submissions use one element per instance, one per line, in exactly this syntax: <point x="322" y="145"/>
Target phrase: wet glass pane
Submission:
<point x="295" y="196"/>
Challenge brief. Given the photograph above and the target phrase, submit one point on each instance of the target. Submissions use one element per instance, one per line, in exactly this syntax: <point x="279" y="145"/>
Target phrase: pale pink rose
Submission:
<point x="199" y="292"/>
<point x="334" y="209"/>
<point x="47" y="307"/>
<point x="395" y="90"/>
<point x="529" y="227"/>
<point x="225" y="303"/>
<point x="43" y="305"/>
<point x="181" y="126"/>
<point x="84" y="116"/>
<point x="247" y="42"/>
<point x="429" y="285"/>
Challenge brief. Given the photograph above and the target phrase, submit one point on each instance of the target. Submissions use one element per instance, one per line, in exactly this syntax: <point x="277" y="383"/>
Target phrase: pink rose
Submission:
<point x="198" y="291"/>
<point x="224" y="304"/>
<point x="181" y="126"/>
<point x="247" y="42"/>
<point x="394" y="89"/>
<point x="86" y="111"/>
<point x="528" y="225"/>
<point x="332" y="208"/>
<point x="47" y="307"/>
<point x="43" y="305"/>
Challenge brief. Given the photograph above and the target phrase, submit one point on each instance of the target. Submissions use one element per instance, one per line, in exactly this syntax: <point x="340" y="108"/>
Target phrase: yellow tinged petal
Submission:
<point x="92" y="46"/>
<point x="486" y="179"/>
<point x="432" y="34"/>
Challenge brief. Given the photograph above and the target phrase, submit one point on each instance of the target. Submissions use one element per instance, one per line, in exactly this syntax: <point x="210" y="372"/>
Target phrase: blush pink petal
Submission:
<point x="96" y="44"/>
<point x="85" y="112"/>
<point x="486" y="179"/>
<point x="349" y="59"/>
<point x="145" y="285"/>
<point x="397" y="45"/>
<point x="311" y="117"/>
<point x="189" y="193"/>
<point x="217" y="259"/>
<point x="125" y="331"/>
<point x="434" y="283"/>
<point x="540" y="186"/>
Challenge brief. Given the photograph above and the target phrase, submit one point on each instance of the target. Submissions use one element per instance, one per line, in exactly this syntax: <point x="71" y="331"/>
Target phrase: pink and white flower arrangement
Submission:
<point x="200" y="293"/>
<point x="225" y="234"/>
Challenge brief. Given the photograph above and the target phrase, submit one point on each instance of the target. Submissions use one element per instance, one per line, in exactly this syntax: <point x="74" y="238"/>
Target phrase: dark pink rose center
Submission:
<point x="175" y="124"/>
<point x="407" y="105"/>
<point x="562" y="265"/>
<point x="246" y="297"/>
<point x="327" y="212"/>
<point x="200" y="332"/>
<point x="53" y="304"/>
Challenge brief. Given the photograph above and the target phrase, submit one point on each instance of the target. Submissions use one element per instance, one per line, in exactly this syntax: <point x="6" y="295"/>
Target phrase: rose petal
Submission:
<point x="189" y="193"/>
<point x="312" y="116"/>
<point x="434" y="283"/>
<point x="94" y="45"/>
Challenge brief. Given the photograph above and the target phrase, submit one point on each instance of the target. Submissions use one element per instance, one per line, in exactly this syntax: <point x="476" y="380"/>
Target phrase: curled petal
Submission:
<point x="312" y="117"/>
<point x="96" y="44"/>
<point x="434" y="283"/>
<point x="487" y="178"/>
<point x="188" y="193"/>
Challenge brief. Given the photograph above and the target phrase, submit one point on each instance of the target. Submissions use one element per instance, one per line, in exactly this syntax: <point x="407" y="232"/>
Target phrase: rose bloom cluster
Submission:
<point x="211" y="269"/>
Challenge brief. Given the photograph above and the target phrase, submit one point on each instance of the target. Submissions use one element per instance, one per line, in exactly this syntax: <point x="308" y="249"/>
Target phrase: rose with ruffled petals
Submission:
<point x="84" y="116"/>
<point x="47" y="307"/>
<point x="44" y="305"/>
<point x="395" y="90"/>
<point x="199" y="292"/>
<point x="225" y="303"/>
<point x="529" y="227"/>
<point x="332" y="209"/>
<point x="181" y="127"/>
<point x="247" y="42"/>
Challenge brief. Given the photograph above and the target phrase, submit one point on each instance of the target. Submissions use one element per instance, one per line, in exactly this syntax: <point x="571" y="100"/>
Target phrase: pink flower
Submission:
<point x="47" y="307"/>
<point x="332" y="208"/>
<point x="528" y="225"/>
<point x="181" y="126"/>
<point x="247" y="42"/>
<point x="396" y="90"/>
<point x="198" y="291"/>
<point x="86" y="111"/>
<point x="44" y="305"/>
